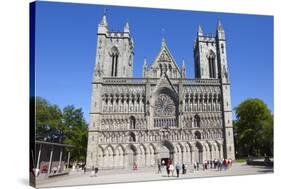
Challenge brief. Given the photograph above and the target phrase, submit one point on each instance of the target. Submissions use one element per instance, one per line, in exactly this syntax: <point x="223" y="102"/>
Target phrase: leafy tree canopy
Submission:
<point x="66" y="126"/>
<point x="254" y="127"/>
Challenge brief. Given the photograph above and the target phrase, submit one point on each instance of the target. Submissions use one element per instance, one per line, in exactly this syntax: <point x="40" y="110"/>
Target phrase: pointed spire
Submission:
<point x="103" y="21"/>
<point x="183" y="70"/>
<point x="127" y="27"/>
<point x="163" y="43"/>
<point x="199" y="31"/>
<point x="183" y="64"/>
<point x="219" y="26"/>
<point x="144" y="68"/>
<point x="144" y="63"/>
<point x="103" y="26"/>
<point x="220" y="31"/>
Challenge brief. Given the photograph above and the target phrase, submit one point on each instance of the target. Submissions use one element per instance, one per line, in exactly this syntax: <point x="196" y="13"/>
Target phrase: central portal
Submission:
<point x="166" y="153"/>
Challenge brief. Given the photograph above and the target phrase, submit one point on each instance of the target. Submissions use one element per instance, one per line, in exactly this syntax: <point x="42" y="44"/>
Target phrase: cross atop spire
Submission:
<point x="163" y="37"/>
<point x="163" y="43"/>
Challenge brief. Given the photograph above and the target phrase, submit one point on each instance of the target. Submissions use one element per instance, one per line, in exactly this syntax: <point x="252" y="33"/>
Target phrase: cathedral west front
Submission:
<point x="162" y="115"/>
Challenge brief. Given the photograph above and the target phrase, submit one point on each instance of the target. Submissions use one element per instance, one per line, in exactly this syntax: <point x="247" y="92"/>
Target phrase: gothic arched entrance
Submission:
<point x="166" y="152"/>
<point x="198" y="156"/>
<point x="131" y="155"/>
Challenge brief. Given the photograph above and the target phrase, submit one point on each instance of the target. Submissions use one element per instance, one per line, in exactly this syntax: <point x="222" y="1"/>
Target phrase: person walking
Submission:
<point x="178" y="169"/>
<point x="195" y="166"/>
<point x="159" y="168"/>
<point x="92" y="171"/>
<point x="167" y="168"/>
<point x="96" y="171"/>
<point x="230" y="163"/>
<point x="215" y="163"/>
<point x="135" y="166"/>
<point x="171" y="169"/>
<point x="183" y="169"/>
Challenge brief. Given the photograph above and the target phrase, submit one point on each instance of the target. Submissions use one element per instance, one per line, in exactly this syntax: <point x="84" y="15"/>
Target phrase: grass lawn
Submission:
<point x="242" y="160"/>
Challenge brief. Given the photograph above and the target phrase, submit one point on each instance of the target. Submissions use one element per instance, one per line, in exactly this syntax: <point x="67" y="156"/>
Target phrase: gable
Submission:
<point x="164" y="82"/>
<point x="164" y="62"/>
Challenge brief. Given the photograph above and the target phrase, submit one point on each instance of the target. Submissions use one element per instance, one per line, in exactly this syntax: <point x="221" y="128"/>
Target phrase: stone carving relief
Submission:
<point x="164" y="57"/>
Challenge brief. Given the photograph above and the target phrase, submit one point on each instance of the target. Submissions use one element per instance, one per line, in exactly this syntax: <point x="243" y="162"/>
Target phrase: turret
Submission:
<point x="199" y="31"/>
<point x="127" y="28"/>
<point x="103" y="26"/>
<point x="183" y="69"/>
<point x="144" y="69"/>
<point x="220" y="31"/>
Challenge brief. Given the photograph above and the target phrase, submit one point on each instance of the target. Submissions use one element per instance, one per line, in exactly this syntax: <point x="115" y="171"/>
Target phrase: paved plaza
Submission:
<point x="145" y="174"/>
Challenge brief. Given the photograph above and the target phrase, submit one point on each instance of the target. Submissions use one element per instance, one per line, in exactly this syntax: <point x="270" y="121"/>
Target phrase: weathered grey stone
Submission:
<point x="164" y="114"/>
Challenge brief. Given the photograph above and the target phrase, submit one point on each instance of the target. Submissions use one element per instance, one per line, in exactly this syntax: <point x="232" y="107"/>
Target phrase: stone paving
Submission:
<point x="146" y="174"/>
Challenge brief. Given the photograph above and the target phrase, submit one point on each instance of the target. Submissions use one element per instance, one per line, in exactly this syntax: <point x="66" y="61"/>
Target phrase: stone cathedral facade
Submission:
<point x="162" y="115"/>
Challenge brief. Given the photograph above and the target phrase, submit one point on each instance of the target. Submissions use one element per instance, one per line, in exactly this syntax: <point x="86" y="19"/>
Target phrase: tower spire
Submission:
<point x="199" y="31"/>
<point x="103" y="26"/>
<point x="163" y="37"/>
<point x="183" y="63"/>
<point x="220" y="30"/>
<point x="183" y="69"/>
<point x="144" y="68"/>
<point x="104" y="21"/>
<point x="127" y="27"/>
<point x="219" y="26"/>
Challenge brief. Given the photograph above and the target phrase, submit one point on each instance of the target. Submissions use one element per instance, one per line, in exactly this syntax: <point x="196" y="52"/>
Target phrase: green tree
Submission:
<point x="254" y="127"/>
<point x="75" y="131"/>
<point x="47" y="121"/>
<point x="67" y="127"/>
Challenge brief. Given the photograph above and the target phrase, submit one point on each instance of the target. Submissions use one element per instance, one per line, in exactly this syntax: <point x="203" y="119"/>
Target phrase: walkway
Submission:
<point x="146" y="174"/>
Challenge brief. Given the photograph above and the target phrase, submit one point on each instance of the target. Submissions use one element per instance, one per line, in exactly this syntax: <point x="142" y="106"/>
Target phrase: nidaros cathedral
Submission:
<point x="162" y="115"/>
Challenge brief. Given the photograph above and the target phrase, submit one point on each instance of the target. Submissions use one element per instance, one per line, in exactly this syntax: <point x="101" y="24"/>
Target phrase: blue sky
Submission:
<point x="66" y="44"/>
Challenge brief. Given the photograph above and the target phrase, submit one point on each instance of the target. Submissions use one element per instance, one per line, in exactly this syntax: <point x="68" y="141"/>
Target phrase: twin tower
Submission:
<point x="115" y="53"/>
<point x="162" y="115"/>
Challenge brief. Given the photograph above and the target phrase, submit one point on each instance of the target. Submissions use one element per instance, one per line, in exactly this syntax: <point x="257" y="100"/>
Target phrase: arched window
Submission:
<point x="132" y="137"/>
<point x="211" y="61"/>
<point x="170" y="70"/>
<point x="196" y="121"/>
<point x="222" y="48"/>
<point x="114" y="59"/>
<point x="132" y="122"/>
<point x="197" y="135"/>
<point x="165" y="68"/>
<point x="161" y="69"/>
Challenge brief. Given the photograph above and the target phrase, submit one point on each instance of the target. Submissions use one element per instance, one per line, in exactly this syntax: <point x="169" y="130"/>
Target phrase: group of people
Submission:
<point x="170" y="168"/>
<point x="220" y="164"/>
<point x="94" y="171"/>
